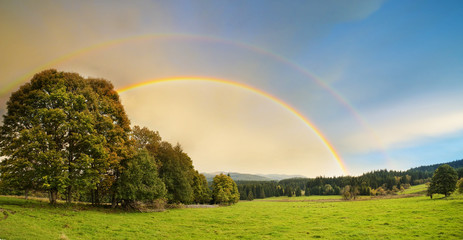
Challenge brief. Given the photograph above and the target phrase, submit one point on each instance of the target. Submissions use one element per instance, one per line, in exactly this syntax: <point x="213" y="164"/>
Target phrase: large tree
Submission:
<point x="63" y="133"/>
<point x="443" y="181"/>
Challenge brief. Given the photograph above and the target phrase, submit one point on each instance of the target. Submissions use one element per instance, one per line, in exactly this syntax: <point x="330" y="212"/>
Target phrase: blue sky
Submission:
<point x="399" y="64"/>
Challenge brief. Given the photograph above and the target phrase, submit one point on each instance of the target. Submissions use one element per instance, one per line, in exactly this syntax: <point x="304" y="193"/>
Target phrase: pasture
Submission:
<point x="274" y="218"/>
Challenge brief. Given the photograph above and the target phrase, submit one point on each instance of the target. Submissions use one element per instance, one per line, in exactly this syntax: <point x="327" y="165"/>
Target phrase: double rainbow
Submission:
<point x="329" y="147"/>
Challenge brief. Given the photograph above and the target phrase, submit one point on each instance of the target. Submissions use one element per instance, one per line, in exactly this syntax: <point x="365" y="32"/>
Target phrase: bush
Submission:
<point x="460" y="185"/>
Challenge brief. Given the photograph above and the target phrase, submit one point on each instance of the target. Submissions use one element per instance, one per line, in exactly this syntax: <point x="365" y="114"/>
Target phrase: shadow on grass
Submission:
<point x="44" y="204"/>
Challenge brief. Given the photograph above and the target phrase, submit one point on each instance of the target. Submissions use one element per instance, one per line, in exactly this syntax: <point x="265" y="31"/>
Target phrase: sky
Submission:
<point x="316" y="88"/>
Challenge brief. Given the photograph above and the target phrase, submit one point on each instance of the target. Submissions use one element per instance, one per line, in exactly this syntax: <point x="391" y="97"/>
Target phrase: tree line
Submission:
<point x="71" y="138"/>
<point x="379" y="182"/>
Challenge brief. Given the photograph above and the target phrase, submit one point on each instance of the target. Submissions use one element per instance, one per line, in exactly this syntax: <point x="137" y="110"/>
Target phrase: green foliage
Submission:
<point x="55" y="135"/>
<point x="250" y="196"/>
<point x="298" y="192"/>
<point x="140" y="181"/>
<point x="177" y="173"/>
<point x="307" y="191"/>
<point x="345" y="193"/>
<point x="201" y="191"/>
<point x="224" y="190"/>
<point x="460" y="172"/>
<point x="443" y="181"/>
<point x="289" y="191"/>
<point x="183" y="183"/>
<point x="460" y="185"/>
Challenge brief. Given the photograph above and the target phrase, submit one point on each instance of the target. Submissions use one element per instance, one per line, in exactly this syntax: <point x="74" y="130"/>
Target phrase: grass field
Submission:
<point x="400" y="218"/>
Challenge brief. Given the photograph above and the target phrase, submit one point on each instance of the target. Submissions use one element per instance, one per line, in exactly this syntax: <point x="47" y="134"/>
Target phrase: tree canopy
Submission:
<point x="443" y="181"/>
<point x="224" y="190"/>
<point x="63" y="133"/>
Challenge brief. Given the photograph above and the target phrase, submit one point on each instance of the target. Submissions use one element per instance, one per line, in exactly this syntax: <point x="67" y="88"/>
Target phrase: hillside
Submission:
<point x="252" y="177"/>
<point x="237" y="176"/>
<point x="432" y="168"/>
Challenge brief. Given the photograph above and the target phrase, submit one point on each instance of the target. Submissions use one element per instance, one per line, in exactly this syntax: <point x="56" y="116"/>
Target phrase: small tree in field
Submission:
<point x="224" y="190"/>
<point x="443" y="181"/>
<point x="345" y="192"/>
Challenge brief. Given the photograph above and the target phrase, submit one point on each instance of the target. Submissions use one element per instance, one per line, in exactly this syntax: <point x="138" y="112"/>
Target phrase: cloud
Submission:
<point x="410" y="123"/>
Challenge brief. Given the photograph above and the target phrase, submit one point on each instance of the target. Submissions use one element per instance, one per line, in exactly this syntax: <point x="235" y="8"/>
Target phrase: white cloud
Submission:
<point x="406" y="124"/>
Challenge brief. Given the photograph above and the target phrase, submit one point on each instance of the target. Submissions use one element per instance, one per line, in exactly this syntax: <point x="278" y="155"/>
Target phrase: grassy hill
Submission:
<point x="321" y="217"/>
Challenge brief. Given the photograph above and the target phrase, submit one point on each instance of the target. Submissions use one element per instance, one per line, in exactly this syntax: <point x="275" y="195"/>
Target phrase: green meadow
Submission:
<point x="404" y="217"/>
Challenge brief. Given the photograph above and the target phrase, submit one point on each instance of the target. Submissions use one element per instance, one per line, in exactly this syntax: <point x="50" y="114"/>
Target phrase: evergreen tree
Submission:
<point x="250" y="196"/>
<point x="289" y="191"/>
<point x="307" y="191"/>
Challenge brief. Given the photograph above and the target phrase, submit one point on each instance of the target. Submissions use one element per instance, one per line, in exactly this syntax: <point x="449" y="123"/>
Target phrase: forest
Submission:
<point x="380" y="182"/>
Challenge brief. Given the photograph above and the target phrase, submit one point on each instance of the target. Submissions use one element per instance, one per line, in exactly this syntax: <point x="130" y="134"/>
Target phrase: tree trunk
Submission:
<point x="52" y="194"/>
<point x="68" y="194"/>
<point x="113" y="200"/>
<point x="26" y="193"/>
<point x="97" y="196"/>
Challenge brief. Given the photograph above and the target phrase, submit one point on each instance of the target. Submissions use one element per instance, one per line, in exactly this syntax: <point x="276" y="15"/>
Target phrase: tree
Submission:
<point x="289" y="191"/>
<point x="328" y="189"/>
<point x="176" y="172"/>
<point x="298" y="192"/>
<point x="250" y="196"/>
<point x="147" y="139"/>
<point x="140" y="181"/>
<point x="62" y="133"/>
<point x="224" y="190"/>
<point x="201" y="191"/>
<point x="443" y="181"/>
<point x="307" y="191"/>
<point x="460" y="185"/>
<point x="345" y="192"/>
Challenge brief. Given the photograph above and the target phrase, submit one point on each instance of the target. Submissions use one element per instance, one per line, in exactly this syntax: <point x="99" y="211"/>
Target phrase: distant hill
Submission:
<point x="279" y="177"/>
<point x="432" y="168"/>
<point x="251" y="177"/>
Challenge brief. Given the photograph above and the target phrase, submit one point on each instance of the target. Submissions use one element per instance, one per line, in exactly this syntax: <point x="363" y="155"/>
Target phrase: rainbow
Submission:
<point x="115" y="42"/>
<point x="329" y="147"/>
